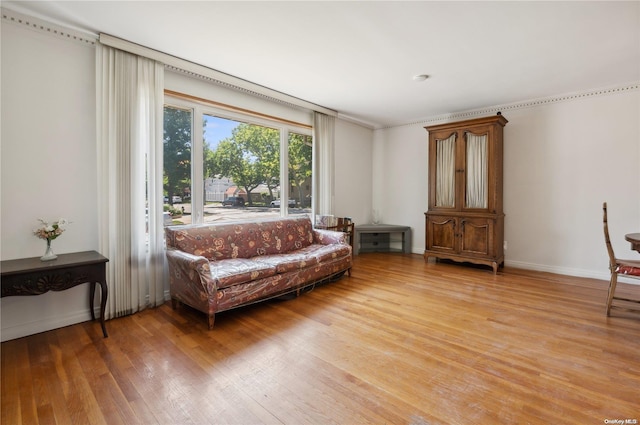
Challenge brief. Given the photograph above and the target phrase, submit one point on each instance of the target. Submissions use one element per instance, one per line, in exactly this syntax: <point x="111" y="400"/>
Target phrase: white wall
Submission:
<point x="353" y="169"/>
<point x="400" y="179"/>
<point x="562" y="160"/>
<point x="48" y="165"/>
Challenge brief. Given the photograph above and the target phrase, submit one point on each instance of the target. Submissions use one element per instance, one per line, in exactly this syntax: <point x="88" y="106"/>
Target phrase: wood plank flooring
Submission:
<point x="401" y="341"/>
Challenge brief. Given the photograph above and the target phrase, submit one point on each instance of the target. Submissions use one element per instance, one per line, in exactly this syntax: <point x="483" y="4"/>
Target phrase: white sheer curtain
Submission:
<point x="477" y="171"/>
<point x="323" y="163"/>
<point x="129" y="133"/>
<point x="446" y="171"/>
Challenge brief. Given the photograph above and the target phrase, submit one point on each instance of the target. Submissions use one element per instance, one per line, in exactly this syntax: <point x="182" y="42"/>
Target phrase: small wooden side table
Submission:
<point x="31" y="276"/>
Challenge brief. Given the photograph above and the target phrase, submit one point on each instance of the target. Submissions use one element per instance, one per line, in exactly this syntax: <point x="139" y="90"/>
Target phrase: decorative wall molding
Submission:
<point x="492" y="110"/>
<point x="48" y="27"/>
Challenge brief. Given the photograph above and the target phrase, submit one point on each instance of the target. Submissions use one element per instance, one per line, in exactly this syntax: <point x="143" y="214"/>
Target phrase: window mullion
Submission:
<point x="284" y="171"/>
<point x="197" y="168"/>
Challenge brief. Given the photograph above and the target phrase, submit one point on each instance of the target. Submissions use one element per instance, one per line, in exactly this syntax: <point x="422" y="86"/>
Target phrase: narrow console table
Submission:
<point x="31" y="276"/>
<point x="377" y="238"/>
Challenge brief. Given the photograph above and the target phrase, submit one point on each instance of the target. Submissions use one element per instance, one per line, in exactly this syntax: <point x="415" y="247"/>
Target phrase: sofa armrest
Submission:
<point x="329" y="237"/>
<point x="190" y="279"/>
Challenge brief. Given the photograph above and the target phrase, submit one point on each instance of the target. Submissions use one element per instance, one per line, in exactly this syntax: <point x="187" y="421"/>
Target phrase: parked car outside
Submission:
<point x="176" y="199"/>
<point x="234" y="201"/>
<point x="276" y="203"/>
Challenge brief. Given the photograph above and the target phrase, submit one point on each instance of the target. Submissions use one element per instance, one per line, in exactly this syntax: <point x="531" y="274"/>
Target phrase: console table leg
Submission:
<point x="92" y="294"/>
<point x="103" y="305"/>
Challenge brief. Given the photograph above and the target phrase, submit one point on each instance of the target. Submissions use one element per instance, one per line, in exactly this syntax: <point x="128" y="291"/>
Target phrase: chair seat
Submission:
<point x="628" y="267"/>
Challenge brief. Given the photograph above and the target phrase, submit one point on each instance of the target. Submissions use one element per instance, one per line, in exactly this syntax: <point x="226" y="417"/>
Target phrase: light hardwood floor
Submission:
<point x="398" y="342"/>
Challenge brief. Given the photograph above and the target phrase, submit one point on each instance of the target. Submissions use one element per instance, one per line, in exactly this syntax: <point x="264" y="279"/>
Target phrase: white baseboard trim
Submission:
<point x="43" y="324"/>
<point x="591" y="274"/>
<point x="558" y="270"/>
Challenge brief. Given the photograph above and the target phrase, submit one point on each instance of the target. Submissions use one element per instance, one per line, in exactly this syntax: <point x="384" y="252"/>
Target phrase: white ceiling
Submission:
<point x="359" y="58"/>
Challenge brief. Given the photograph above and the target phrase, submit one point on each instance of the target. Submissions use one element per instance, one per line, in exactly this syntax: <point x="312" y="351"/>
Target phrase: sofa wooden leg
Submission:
<point x="349" y="271"/>
<point x="211" y="320"/>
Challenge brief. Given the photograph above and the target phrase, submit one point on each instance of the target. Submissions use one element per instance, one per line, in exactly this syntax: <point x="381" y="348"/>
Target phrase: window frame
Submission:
<point x="198" y="110"/>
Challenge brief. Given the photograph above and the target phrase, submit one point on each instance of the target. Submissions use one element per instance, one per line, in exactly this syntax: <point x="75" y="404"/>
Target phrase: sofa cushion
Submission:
<point x="284" y="235"/>
<point x="233" y="271"/>
<point x="249" y="292"/>
<point x="324" y="253"/>
<point x="290" y="261"/>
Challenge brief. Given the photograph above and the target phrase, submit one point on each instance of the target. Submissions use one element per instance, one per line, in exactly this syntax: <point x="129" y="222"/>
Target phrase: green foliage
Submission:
<point x="250" y="157"/>
<point x="177" y="151"/>
<point x="300" y="163"/>
<point x="210" y="169"/>
<point x="174" y="212"/>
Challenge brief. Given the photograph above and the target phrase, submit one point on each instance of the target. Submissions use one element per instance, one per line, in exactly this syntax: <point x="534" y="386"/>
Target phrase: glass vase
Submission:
<point x="48" y="255"/>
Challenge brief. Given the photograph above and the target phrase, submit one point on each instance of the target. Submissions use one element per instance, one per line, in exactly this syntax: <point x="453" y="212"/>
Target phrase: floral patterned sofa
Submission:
<point x="216" y="267"/>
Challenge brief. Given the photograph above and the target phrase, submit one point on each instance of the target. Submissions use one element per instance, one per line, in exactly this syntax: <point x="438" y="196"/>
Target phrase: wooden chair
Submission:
<point x="627" y="268"/>
<point x="344" y="224"/>
<point x="340" y="224"/>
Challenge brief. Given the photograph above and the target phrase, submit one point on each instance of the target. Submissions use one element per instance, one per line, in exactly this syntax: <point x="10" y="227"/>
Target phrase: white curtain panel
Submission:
<point x="129" y="134"/>
<point x="446" y="172"/>
<point x="477" y="171"/>
<point x="323" y="163"/>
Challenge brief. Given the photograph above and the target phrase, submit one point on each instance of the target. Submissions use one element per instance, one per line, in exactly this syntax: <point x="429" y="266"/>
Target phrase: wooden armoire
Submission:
<point x="465" y="220"/>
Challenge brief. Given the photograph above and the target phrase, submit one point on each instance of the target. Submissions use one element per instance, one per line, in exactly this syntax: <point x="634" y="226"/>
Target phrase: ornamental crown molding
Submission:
<point x="492" y="110"/>
<point x="46" y="27"/>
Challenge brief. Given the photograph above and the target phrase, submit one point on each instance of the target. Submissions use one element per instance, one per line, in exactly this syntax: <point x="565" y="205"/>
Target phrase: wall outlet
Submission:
<point x="504" y="245"/>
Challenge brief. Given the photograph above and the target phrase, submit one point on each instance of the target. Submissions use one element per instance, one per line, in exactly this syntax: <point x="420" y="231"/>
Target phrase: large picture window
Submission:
<point x="221" y="166"/>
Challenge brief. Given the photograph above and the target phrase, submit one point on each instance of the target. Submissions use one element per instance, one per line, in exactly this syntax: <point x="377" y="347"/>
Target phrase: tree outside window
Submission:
<point x="241" y="168"/>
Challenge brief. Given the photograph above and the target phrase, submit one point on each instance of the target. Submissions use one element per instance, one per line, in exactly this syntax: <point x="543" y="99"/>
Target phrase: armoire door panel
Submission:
<point x="476" y="236"/>
<point x="442" y="233"/>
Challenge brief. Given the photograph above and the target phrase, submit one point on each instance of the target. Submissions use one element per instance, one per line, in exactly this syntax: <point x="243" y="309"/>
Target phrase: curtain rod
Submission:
<point x="226" y="79"/>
